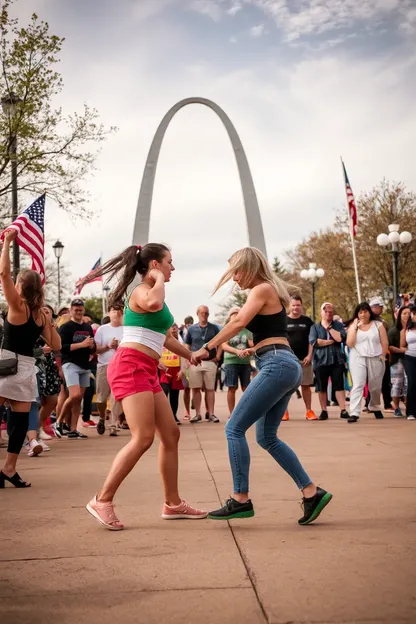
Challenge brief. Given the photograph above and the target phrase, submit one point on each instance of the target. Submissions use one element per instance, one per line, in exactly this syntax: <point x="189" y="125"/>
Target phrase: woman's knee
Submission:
<point x="233" y="431"/>
<point x="170" y="439"/>
<point x="266" y="442"/>
<point x="143" y="441"/>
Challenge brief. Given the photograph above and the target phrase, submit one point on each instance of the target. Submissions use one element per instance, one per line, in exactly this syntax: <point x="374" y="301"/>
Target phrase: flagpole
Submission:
<point x="351" y="228"/>
<point x="354" y="258"/>
<point x="103" y="298"/>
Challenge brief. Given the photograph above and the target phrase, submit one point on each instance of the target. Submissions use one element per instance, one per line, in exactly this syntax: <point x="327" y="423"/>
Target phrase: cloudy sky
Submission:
<point x="304" y="81"/>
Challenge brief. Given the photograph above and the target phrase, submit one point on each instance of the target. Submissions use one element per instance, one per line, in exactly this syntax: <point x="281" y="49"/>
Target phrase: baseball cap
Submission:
<point x="233" y="311"/>
<point x="77" y="302"/>
<point x="376" y="301"/>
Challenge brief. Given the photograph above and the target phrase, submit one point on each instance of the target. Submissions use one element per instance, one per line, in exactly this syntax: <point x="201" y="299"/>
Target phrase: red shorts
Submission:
<point x="131" y="371"/>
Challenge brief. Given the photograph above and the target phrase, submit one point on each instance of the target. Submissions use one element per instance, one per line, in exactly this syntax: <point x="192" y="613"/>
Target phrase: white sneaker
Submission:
<point x="44" y="446"/>
<point x="43" y="435"/>
<point x="411" y="418"/>
<point x="35" y="448"/>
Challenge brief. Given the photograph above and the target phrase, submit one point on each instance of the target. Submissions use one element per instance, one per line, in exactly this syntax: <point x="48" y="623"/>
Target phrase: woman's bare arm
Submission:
<point x="14" y="300"/>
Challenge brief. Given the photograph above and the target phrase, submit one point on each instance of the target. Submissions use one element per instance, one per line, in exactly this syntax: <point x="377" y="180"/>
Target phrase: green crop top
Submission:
<point x="159" y="321"/>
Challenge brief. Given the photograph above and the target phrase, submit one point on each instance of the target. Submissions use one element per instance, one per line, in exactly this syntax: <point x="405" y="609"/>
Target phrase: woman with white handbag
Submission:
<point x="26" y="320"/>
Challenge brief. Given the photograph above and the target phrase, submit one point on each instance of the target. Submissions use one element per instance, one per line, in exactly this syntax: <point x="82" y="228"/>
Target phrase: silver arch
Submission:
<point x="144" y="205"/>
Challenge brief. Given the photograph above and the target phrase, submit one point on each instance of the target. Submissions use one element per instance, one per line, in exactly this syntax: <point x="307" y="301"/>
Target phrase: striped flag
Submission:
<point x="89" y="277"/>
<point x="30" y="226"/>
<point x="352" y="208"/>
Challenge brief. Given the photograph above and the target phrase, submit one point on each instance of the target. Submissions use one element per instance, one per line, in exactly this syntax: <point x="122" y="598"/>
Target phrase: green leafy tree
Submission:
<point x="94" y="308"/>
<point x="55" y="152"/>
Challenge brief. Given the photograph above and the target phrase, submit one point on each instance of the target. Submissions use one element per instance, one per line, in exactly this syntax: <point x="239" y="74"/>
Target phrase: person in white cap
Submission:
<point x="326" y="338"/>
<point x="377" y="307"/>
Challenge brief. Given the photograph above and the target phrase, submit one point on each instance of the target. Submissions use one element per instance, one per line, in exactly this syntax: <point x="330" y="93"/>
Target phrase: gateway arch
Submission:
<point x="144" y="205"/>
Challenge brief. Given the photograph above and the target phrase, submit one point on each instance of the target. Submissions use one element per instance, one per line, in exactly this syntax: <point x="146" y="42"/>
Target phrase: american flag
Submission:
<point x="30" y="227"/>
<point x="89" y="277"/>
<point x="352" y="208"/>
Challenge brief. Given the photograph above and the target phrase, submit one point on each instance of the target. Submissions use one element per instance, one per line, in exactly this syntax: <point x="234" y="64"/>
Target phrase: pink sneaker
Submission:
<point x="184" y="510"/>
<point x="104" y="513"/>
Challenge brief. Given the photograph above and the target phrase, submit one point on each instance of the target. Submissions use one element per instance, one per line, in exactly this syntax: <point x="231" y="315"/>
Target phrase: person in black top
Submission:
<point x="266" y="398"/>
<point x="77" y="346"/>
<point x="298" y="326"/>
<point x="26" y="320"/>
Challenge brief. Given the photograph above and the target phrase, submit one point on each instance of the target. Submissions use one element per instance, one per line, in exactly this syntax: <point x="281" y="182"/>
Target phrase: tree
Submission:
<point x="387" y="203"/>
<point x="55" y="152"/>
<point x="94" y="308"/>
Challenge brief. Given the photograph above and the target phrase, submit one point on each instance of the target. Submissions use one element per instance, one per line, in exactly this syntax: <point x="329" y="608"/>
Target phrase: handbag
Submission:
<point x="8" y="366"/>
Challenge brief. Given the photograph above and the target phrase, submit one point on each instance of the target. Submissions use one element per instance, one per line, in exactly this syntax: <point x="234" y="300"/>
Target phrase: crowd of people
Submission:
<point x="138" y="361"/>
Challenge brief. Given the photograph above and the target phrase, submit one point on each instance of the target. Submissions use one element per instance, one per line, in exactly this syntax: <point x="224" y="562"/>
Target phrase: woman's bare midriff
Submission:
<point x="270" y="341"/>
<point x="142" y="348"/>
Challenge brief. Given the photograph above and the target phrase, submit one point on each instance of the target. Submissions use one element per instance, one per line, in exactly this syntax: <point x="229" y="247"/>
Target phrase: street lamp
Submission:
<point x="58" y="249"/>
<point x="10" y="104"/>
<point x="395" y="239"/>
<point x="312" y="275"/>
<point x="106" y="291"/>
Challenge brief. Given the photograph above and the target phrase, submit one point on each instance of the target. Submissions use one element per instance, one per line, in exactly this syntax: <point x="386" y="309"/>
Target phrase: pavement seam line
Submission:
<point x="249" y="572"/>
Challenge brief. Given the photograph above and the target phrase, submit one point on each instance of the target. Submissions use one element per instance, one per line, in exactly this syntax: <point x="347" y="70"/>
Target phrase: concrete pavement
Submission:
<point x="355" y="565"/>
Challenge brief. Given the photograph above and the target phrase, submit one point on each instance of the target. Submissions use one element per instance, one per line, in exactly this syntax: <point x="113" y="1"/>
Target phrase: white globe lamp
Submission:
<point x="383" y="240"/>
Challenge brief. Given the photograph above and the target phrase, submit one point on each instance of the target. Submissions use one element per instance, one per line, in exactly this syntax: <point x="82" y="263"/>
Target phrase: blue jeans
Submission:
<point x="264" y="403"/>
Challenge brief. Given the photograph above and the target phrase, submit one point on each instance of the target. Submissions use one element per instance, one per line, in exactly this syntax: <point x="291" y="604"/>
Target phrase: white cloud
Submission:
<point x="298" y="18"/>
<point x="207" y="7"/>
<point x="234" y="8"/>
<point x="257" y="31"/>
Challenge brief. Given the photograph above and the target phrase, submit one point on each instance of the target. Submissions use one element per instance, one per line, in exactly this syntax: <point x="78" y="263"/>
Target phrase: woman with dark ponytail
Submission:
<point x="26" y="320"/>
<point x="133" y="378"/>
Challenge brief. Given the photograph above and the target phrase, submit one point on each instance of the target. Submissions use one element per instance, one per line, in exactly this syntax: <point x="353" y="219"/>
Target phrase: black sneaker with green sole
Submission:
<point x="312" y="507"/>
<point x="233" y="509"/>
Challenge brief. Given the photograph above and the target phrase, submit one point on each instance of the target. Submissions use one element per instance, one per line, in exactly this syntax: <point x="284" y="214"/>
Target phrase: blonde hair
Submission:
<point x="251" y="264"/>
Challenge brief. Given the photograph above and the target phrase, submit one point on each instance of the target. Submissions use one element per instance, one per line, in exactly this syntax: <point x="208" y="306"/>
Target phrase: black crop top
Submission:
<point x="264" y="326"/>
<point x="21" y="339"/>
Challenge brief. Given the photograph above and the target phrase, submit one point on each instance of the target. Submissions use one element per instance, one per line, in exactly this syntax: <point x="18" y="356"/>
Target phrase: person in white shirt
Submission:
<point x="107" y="339"/>
<point x="408" y="344"/>
<point x="368" y="344"/>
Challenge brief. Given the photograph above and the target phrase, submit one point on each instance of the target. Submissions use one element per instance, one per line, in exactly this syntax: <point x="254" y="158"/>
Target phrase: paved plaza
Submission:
<point x="357" y="564"/>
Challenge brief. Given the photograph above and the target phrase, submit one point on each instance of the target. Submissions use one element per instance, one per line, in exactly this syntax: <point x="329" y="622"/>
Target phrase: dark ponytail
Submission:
<point x="125" y="266"/>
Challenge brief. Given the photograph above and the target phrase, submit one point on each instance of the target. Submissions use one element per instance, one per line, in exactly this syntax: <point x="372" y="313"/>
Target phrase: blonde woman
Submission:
<point x="266" y="398"/>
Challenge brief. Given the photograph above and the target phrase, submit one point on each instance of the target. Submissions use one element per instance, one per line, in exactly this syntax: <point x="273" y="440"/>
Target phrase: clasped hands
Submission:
<point x="203" y="354"/>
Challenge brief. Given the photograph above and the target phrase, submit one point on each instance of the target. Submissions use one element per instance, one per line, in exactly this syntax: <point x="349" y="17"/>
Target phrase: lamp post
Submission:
<point x="58" y="249"/>
<point x="312" y="275"/>
<point x="10" y="104"/>
<point x="395" y="239"/>
<point x="106" y="291"/>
